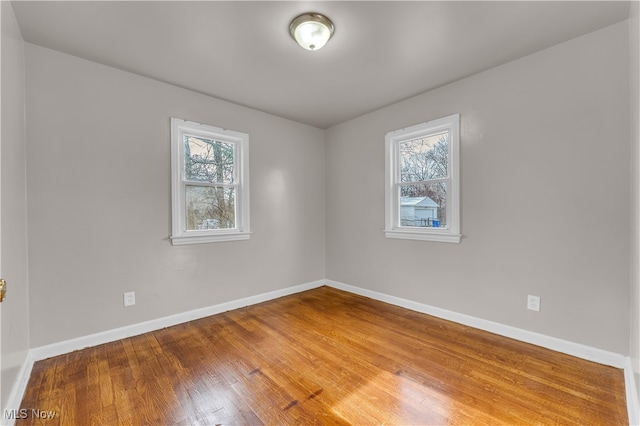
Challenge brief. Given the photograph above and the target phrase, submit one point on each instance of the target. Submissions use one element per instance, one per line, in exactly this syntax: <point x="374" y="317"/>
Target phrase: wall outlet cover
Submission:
<point x="130" y="298"/>
<point x="533" y="303"/>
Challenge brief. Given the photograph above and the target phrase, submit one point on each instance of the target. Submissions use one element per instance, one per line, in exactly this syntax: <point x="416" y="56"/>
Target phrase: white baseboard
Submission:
<point x="576" y="349"/>
<point x="633" y="404"/>
<point x="60" y="348"/>
<point x="570" y="348"/>
<point x="559" y="345"/>
<point x="71" y="345"/>
<point x="18" y="389"/>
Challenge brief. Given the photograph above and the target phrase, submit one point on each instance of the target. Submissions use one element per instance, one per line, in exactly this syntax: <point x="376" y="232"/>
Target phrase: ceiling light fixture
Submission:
<point x="311" y="30"/>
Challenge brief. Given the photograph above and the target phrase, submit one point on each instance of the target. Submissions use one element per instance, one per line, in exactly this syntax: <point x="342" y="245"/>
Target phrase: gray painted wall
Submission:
<point x="634" y="49"/>
<point x="551" y="129"/>
<point x="14" y="268"/>
<point x="545" y="196"/>
<point x="99" y="201"/>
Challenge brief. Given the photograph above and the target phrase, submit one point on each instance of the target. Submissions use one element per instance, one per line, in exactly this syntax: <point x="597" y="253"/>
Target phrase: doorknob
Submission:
<point x="3" y="289"/>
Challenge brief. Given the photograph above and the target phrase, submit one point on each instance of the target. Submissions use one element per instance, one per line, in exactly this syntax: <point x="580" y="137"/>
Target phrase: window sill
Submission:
<point x="437" y="236"/>
<point x="209" y="238"/>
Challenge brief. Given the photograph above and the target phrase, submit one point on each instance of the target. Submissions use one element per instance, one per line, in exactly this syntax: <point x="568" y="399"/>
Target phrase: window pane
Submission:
<point x="424" y="158"/>
<point x="208" y="160"/>
<point x="210" y="207"/>
<point x="424" y="205"/>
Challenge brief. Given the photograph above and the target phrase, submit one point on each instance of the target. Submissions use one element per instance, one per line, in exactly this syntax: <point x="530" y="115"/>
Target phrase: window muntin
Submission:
<point x="210" y="191"/>
<point x="422" y="190"/>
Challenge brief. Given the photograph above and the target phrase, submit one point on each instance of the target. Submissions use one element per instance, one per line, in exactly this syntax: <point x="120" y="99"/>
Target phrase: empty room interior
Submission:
<point x="239" y="212"/>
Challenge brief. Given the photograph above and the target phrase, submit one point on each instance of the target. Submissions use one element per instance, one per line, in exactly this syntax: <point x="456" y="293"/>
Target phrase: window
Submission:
<point x="210" y="183"/>
<point x="422" y="193"/>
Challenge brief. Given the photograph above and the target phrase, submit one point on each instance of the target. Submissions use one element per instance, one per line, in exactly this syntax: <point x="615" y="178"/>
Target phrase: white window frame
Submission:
<point x="393" y="228"/>
<point x="180" y="235"/>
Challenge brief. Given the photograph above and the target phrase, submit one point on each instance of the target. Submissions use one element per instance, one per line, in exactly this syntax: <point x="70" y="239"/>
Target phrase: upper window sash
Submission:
<point x="451" y="180"/>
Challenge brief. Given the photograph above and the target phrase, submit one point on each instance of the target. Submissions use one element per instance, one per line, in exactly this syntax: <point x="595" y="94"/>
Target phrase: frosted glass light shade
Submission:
<point x="311" y="30"/>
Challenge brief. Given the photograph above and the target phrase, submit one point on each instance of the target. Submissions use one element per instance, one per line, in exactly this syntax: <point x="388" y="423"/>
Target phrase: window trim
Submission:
<point x="393" y="228"/>
<point x="180" y="235"/>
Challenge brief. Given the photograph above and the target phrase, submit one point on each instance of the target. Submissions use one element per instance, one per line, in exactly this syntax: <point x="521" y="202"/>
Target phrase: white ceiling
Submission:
<point x="381" y="53"/>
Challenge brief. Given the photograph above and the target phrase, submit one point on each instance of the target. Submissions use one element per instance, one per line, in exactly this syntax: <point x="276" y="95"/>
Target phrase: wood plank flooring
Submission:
<point x="321" y="357"/>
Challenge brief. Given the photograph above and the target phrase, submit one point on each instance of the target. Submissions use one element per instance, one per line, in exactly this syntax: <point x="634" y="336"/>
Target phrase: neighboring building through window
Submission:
<point x="422" y="194"/>
<point x="210" y="183"/>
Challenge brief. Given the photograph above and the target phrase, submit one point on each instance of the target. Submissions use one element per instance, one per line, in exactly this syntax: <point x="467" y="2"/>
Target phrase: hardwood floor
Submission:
<point x="322" y="357"/>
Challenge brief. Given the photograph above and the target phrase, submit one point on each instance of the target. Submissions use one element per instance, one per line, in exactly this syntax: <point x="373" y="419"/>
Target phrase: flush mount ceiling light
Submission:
<point x="311" y="30"/>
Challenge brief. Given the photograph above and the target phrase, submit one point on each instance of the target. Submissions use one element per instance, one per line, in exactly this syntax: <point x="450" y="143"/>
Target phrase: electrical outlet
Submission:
<point x="533" y="303"/>
<point x="130" y="298"/>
